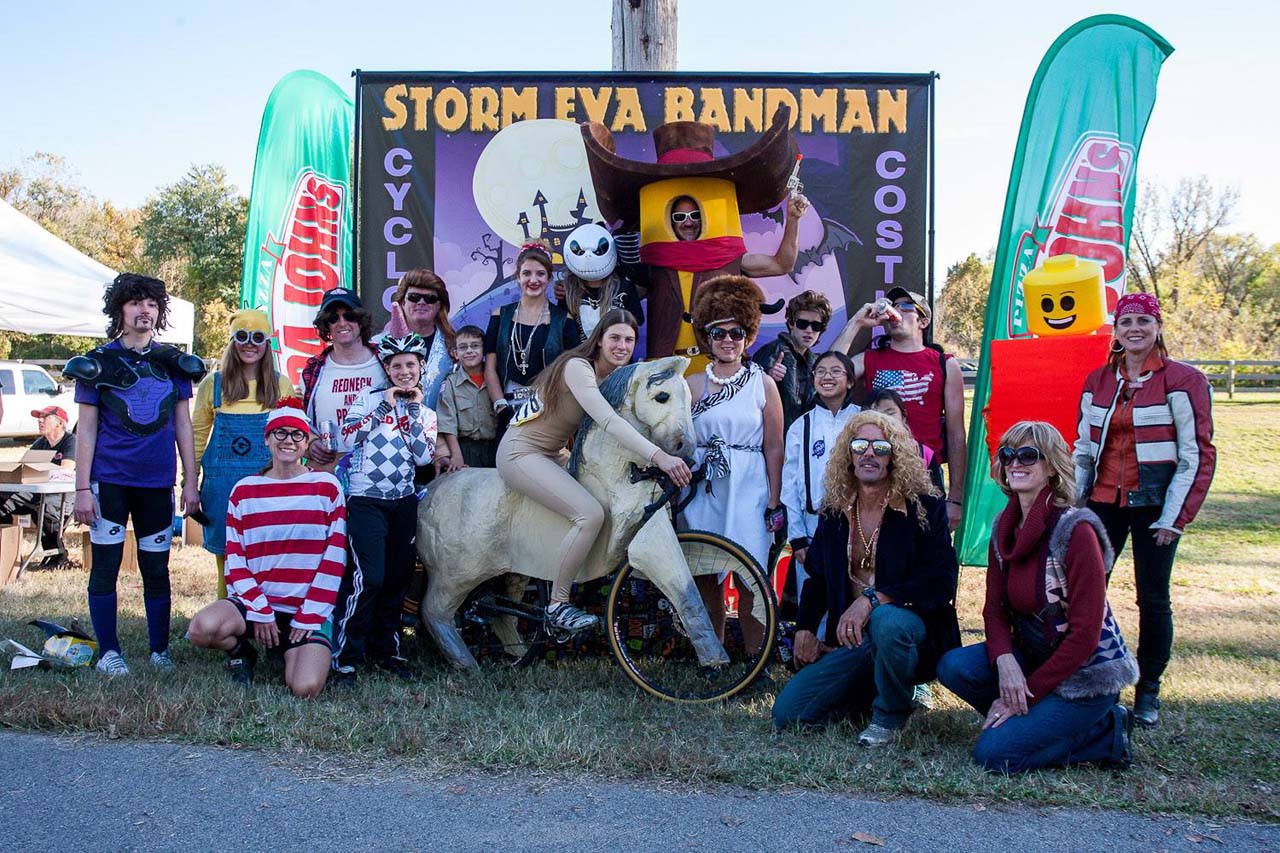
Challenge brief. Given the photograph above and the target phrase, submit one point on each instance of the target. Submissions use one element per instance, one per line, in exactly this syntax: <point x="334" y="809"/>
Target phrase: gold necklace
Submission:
<point x="866" y="565"/>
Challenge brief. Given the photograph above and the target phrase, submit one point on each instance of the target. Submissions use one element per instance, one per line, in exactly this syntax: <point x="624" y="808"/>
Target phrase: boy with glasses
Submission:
<point x="467" y="427"/>
<point x="789" y="359"/>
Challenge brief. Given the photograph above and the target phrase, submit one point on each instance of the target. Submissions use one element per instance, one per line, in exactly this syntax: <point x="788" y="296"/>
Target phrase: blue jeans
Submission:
<point x="879" y="674"/>
<point x="1054" y="732"/>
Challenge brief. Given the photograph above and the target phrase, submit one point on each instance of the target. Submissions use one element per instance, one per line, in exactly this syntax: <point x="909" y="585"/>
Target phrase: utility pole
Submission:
<point x="644" y="35"/>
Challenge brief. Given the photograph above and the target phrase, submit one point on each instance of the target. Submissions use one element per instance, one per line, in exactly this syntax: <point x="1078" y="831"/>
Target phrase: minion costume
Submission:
<point x="643" y="194"/>
<point x="228" y="438"/>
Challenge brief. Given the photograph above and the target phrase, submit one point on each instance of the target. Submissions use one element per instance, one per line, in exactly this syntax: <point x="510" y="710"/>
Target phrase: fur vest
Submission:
<point x="1111" y="666"/>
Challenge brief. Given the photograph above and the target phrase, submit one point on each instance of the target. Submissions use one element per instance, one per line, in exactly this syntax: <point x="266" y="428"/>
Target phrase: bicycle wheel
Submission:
<point x="650" y="642"/>
<point x="502" y="620"/>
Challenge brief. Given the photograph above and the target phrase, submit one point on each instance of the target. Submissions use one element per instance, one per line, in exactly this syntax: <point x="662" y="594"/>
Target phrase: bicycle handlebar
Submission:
<point x="669" y="489"/>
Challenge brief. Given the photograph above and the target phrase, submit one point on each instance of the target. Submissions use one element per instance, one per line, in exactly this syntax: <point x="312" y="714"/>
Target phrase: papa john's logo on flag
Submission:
<point x="1083" y="215"/>
<point x="307" y="261"/>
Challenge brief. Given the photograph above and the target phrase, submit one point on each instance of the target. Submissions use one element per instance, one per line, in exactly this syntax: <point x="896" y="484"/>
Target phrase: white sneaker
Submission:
<point x="876" y="735"/>
<point x="162" y="661"/>
<point x="112" y="663"/>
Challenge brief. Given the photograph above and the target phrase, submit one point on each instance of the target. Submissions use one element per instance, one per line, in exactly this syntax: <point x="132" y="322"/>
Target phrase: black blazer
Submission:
<point x="915" y="565"/>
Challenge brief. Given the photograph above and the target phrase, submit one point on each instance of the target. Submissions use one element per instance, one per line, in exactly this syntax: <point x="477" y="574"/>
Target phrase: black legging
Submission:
<point x="1152" y="570"/>
<point x="152" y="514"/>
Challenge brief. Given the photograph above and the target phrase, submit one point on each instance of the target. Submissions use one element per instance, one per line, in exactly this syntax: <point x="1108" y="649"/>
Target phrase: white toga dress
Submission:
<point x="729" y="422"/>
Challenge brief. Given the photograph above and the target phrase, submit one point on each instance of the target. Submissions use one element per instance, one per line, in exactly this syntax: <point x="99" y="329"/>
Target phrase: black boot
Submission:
<point x="1146" y="704"/>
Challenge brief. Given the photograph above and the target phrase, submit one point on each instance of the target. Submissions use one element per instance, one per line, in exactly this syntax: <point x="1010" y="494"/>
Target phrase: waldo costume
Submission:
<point x="634" y="192"/>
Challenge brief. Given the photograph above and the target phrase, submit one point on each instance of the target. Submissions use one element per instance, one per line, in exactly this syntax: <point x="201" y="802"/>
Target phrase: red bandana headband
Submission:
<point x="1138" y="303"/>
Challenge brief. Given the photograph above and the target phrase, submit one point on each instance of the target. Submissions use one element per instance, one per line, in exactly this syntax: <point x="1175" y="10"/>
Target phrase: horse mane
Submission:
<point x="614" y="390"/>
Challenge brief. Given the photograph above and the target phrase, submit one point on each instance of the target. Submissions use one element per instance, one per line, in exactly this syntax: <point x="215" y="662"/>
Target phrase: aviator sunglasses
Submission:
<point x="804" y="325"/>
<point x="244" y="336"/>
<point x="429" y="298"/>
<point x="679" y="216"/>
<point x="879" y="446"/>
<point x="1026" y="455"/>
<point x="737" y="333"/>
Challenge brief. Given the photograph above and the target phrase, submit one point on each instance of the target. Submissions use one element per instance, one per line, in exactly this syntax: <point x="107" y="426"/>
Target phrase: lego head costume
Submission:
<point x="639" y="193"/>
<point x="1065" y="295"/>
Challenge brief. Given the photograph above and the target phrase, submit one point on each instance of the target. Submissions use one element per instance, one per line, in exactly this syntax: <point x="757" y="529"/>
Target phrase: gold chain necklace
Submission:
<point x="866" y="565"/>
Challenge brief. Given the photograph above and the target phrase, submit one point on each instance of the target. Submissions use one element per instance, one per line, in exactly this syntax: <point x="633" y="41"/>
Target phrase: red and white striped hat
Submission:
<point x="289" y="414"/>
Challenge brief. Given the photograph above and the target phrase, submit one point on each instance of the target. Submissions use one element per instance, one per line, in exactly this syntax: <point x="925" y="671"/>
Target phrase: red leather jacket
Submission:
<point x="1173" y="437"/>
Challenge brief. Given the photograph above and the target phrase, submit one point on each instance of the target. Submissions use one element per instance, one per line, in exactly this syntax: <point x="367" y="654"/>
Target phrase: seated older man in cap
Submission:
<point x="53" y="436"/>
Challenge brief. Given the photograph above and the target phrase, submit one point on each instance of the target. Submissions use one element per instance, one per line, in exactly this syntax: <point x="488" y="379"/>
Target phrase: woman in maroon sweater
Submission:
<point x="1048" y="678"/>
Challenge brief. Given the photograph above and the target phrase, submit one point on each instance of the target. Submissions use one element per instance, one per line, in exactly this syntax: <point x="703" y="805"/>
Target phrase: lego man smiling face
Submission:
<point x="1065" y="296"/>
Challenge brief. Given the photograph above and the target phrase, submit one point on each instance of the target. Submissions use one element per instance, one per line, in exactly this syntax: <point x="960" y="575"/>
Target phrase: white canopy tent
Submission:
<point x="49" y="288"/>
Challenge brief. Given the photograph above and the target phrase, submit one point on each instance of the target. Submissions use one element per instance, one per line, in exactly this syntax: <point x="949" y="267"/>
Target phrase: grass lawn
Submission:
<point x="1217" y="751"/>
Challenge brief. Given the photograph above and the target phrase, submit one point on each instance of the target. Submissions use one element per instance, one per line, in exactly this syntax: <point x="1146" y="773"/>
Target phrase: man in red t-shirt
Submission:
<point x="929" y="382"/>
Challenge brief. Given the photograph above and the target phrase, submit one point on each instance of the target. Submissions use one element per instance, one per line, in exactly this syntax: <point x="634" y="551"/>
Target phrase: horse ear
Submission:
<point x="677" y="363"/>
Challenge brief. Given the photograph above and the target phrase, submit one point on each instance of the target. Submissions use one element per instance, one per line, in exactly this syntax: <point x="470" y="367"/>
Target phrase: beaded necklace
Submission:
<point x="519" y="349"/>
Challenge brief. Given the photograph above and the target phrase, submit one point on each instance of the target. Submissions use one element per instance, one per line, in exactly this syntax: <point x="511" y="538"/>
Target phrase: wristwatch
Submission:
<point x="870" y="593"/>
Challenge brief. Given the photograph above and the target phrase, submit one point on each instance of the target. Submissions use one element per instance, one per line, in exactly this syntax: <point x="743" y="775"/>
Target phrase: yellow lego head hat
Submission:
<point x="1065" y="295"/>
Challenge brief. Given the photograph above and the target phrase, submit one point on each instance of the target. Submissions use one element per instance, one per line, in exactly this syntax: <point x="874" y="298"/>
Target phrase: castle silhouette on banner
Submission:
<point x="555" y="235"/>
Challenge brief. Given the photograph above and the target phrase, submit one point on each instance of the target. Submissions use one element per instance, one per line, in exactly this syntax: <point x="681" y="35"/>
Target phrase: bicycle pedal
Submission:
<point x="560" y="635"/>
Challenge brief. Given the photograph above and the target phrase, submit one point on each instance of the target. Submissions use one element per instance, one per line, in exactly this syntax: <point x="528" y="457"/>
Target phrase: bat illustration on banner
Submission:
<point x="834" y="236"/>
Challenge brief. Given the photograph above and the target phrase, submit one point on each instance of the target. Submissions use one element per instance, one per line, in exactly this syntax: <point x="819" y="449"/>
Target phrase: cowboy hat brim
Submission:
<point x="759" y="171"/>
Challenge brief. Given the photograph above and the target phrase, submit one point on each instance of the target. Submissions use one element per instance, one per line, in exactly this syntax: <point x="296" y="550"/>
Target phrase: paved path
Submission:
<point x="87" y="794"/>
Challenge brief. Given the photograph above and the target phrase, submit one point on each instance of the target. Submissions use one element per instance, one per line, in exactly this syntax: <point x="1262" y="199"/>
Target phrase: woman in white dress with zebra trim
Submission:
<point x="737" y="416"/>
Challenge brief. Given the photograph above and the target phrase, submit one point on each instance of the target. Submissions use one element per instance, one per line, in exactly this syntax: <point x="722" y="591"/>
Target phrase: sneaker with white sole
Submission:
<point x="162" y="661"/>
<point x="566" y="617"/>
<point x="112" y="663"/>
<point x="876" y="735"/>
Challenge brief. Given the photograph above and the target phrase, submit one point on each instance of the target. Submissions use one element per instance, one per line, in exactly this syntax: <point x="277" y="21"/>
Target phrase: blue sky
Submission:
<point x="133" y="93"/>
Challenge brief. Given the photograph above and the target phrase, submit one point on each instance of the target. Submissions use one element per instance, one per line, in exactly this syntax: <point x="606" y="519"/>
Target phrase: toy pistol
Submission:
<point x="793" y="182"/>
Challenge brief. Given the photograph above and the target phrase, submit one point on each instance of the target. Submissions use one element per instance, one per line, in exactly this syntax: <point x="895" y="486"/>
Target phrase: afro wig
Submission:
<point x="726" y="297"/>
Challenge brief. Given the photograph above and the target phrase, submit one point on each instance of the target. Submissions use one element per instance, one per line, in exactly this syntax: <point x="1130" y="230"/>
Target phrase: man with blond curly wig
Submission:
<point x="882" y="570"/>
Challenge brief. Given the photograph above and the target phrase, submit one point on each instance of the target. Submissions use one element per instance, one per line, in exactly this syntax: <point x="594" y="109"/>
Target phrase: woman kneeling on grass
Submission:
<point x="1049" y="676"/>
<point x="286" y="549"/>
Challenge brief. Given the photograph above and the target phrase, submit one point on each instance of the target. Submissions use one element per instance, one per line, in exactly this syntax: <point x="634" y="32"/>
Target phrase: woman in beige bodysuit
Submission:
<point x="567" y="390"/>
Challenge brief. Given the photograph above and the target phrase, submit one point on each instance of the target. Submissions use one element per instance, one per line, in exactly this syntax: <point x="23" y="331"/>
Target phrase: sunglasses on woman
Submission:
<point x="429" y="298"/>
<point x="297" y="436"/>
<point x="879" y="446"/>
<point x="679" y="216"/>
<point x="244" y="336"/>
<point x="737" y="333"/>
<point x="1027" y="455"/>
<point x="804" y="325"/>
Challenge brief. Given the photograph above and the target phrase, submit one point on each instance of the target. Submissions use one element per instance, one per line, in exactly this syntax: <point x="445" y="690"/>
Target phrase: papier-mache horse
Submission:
<point x="471" y="527"/>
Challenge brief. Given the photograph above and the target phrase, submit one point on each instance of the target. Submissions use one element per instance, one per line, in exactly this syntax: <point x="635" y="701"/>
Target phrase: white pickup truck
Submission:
<point x="27" y="388"/>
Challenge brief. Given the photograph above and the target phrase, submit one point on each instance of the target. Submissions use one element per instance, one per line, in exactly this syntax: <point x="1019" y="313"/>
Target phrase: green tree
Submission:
<point x="193" y="237"/>
<point x="962" y="305"/>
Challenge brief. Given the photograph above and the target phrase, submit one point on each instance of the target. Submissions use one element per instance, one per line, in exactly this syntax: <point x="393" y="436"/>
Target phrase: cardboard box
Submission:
<point x="35" y="466"/>
<point x="128" y="563"/>
<point x="10" y="545"/>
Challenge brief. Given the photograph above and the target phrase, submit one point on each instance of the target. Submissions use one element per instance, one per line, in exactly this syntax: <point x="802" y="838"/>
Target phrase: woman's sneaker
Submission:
<point x="240" y="663"/>
<point x="112" y="663"/>
<point x="162" y="661"/>
<point x="566" y="617"/>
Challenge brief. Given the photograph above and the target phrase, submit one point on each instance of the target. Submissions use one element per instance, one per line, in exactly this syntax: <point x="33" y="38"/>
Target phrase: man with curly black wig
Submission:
<point x="133" y="395"/>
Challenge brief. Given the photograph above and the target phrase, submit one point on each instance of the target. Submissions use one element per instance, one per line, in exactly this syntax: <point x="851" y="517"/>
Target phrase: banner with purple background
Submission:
<point x="455" y="170"/>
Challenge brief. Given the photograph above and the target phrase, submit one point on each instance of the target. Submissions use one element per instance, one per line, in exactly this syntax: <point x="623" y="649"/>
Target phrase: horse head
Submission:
<point x="658" y="399"/>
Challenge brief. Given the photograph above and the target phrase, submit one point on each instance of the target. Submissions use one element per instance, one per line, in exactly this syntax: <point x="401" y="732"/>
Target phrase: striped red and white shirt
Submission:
<point x="286" y="547"/>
